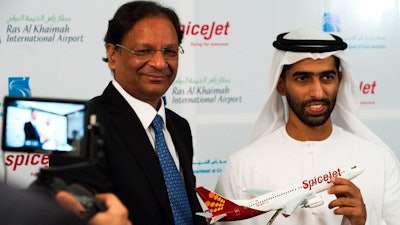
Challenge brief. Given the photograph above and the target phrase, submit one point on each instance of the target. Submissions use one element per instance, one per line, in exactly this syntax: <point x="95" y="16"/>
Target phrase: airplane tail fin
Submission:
<point x="216" y="204"/>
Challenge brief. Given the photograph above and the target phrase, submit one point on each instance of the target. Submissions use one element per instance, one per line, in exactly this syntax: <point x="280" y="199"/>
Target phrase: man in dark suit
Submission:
<point x="143" y="46"/>
<point x="32" y="137"/>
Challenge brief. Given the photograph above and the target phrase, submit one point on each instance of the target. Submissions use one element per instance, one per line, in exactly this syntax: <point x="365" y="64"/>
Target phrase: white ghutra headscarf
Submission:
<point x="310" y="43"/>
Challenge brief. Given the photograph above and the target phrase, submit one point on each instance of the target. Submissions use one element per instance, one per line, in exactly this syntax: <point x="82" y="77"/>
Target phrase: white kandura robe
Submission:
<point x="276" y="160"/>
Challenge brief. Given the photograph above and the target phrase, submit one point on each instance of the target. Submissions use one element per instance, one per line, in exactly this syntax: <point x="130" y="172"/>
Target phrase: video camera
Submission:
<point x="54" y="126"/>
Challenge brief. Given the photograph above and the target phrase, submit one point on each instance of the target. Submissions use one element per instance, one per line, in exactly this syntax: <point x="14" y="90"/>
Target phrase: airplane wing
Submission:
<point x="209" y="216"/>
<point x="291" y="205"/>
<point x="204" y="214"/>
<point x="216" y="218"/>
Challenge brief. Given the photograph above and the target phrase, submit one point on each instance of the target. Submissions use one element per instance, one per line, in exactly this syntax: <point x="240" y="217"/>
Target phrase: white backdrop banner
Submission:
<point x="54" y="49"/>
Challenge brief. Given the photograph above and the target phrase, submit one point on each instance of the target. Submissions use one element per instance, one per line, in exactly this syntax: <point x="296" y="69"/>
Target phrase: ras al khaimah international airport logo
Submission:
<point x="41" y="28"/>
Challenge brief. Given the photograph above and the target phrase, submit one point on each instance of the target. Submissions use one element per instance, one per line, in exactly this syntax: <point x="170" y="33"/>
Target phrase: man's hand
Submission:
<point x="116" y="213"/>
<point x="70" y="203"/>
<point x="349" y="202"/>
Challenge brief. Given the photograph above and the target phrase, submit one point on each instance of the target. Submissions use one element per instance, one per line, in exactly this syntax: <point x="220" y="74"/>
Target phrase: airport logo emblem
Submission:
<point x="331" y="22"/>
<point x="19" y="86"/>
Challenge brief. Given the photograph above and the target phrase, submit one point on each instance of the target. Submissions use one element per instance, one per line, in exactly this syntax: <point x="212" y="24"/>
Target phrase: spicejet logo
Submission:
<point x="208" y="31"/>
<point x="215" y="202"/>
<point x="308" y="184"/>
<point x="368" y="90"/>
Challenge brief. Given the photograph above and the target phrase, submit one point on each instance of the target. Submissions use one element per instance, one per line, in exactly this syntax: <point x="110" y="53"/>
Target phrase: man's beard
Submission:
<point x="298" y="108"/>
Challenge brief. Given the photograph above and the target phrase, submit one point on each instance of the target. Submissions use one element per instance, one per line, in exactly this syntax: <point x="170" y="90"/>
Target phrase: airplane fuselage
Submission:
<point x="286" y="200"/>
<point x="273" y="200"/>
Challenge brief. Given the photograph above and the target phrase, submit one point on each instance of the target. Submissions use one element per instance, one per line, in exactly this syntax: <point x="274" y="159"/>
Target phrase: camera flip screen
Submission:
<point x="45" y="125"/>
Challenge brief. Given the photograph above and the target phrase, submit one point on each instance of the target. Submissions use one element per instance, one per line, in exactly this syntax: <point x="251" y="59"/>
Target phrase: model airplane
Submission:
<point x="285" y="201"/>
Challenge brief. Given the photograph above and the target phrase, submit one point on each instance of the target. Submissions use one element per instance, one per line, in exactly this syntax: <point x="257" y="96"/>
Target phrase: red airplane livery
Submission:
<point x="285" y="200"/>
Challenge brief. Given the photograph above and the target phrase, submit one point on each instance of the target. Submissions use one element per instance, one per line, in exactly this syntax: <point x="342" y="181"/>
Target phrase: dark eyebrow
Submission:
<point x="301" y="73"/>
<point x="329" y="72"/>
<point x="305" y="73"/>
<point x="146" y="45"/>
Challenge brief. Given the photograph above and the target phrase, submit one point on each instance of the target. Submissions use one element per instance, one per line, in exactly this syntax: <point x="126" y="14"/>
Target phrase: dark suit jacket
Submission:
<point x="130" y="167"/>
<point x="30" y="132"/>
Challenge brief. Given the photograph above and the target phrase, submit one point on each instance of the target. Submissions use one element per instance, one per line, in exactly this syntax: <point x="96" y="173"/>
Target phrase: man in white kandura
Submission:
<point x="308" y="125"/>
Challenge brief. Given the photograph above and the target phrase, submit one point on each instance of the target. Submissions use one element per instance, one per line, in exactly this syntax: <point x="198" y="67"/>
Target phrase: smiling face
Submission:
<point x="146" y="80"/>
<point x="310" y="87"/>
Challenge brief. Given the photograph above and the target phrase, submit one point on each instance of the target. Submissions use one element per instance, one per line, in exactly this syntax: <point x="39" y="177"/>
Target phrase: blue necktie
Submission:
<point x="175" y="186"/>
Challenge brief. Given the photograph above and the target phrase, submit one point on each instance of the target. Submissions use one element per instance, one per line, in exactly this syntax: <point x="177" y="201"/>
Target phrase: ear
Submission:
<point x="280" y="87"/>
<point x="340" y="75"/>
<point x="111" y="55"/>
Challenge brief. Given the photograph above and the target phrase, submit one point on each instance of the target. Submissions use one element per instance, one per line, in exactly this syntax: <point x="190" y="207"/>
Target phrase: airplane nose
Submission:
<point x="357" y="170"/>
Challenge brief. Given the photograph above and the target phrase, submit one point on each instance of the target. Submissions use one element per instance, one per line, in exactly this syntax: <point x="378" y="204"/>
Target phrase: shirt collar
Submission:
<point x="144" y="111"/>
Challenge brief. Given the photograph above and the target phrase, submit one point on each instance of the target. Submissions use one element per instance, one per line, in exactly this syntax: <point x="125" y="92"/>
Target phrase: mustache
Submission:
<point x="314" y="100"/>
